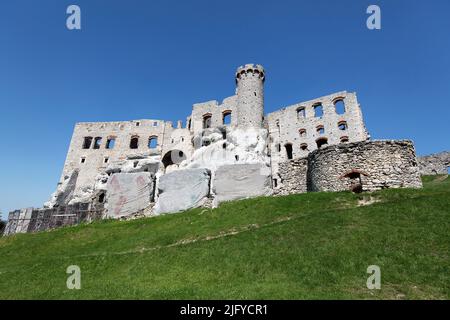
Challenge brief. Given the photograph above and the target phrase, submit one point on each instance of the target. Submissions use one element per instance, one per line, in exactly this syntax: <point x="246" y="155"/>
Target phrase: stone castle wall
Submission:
<point x="292" y="177"/>
<point x="293" y="150"/>
<point x="372" y="164"/>
<point x="300" y="127"/>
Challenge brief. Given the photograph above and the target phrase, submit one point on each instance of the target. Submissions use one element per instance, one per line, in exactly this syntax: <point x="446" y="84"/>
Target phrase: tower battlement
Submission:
<point x="250" y="69"/>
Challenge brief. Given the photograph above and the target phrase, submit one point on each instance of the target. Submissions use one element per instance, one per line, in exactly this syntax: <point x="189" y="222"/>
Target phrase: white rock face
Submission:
<point x="182" y="190"/>
<point x="64" y="192"/>
<point x="128" y="193"/>
<point x="239" y="181"/>
<point x="69" y="192"/>
<point x="241" y="146"/>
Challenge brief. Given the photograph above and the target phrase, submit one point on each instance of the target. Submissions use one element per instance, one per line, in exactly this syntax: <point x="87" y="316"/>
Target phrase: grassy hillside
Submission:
<point x="308" y="246"/>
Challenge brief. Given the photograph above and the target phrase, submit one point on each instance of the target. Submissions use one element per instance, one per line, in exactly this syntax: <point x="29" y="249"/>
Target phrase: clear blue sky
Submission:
<point x="154" y="59"/>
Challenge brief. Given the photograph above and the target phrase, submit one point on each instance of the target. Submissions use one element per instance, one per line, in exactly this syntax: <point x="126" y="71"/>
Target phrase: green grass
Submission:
<point x="309" y="246"/>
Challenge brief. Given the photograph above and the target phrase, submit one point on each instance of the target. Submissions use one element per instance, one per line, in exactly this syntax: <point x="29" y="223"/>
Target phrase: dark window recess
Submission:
<point x="288" y="148"/>
<point x="101" y="198"/>
<point x="206" y="143"/>
<point x="206" y="122"/>
<point x="97" y="142"/>
<point x="301" y="113"/>
<point x="322" y="142"/>
<point x="134" y="143"/>
<point x="87" y="142"/>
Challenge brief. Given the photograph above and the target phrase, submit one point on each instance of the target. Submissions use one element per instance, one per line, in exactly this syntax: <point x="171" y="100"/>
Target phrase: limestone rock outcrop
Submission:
<point x="240" y="181"/>
<point x="182" y="189"/>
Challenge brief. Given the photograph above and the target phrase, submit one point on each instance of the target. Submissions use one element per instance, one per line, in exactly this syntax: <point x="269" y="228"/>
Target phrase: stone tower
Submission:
<point x="250" y="91"/>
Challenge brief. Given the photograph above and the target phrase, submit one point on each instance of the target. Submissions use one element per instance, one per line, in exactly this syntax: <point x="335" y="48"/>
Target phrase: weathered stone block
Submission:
<point x="239" y="181"/>
<point x="182" y="189"/>
<point x="128" y="193"/>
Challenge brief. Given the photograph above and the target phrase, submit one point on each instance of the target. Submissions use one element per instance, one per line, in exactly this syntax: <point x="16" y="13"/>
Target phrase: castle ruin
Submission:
<point x="223" y="151"/>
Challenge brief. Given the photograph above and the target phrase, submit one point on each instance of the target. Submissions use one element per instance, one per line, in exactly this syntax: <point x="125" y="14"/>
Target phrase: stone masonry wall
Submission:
<point x="298" y="128"/>
<point x="250" y="91"/>
<point x="373" y="164"/>
<point x="293" y="177"/>
<point x="434" y="164"/>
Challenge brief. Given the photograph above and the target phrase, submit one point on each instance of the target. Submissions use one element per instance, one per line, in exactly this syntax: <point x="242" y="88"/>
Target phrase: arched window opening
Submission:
<point x="97" y="142"/>
<point x="226" y="117"/>
<point x="134" y="142"/>
<point x="153" y="142"/>
<point x="354" y="180"/>
<point x="173" y="157"/>
<point x="101" y="197"/>
<point x="322" y="142"/>
<point x="318" y="110"/>
<point x="288" y="147"/>
<point x="207" y="121"/>
<point x="342" y="125"/>
<point x="301" y="113"/>
<point x="320" y="129"/>
<point x="304" y="147"/>
<point x="87" y="142"/>
<point x="339" y="106"/>
<point x="344" y="139"/>
<point x="302" y="132"/>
